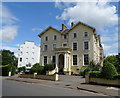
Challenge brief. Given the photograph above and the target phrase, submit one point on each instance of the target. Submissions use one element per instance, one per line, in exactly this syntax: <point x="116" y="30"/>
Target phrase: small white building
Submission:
<point x="28" y="55"/>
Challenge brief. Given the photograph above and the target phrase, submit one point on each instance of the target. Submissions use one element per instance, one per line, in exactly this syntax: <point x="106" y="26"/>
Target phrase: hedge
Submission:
<point x="94" y="74"/>
<point x="108" y="71"/>
<point x="6" y="68"/>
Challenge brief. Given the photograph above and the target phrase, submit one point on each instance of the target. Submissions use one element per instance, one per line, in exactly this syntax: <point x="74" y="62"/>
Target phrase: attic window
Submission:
<point x="65" y="36"/>
<point x="85" y="34"/>
<point x="46" y="38"/>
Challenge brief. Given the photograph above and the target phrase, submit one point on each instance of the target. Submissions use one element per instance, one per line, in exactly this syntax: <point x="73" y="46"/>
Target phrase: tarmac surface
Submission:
<point x="73" y="82"/>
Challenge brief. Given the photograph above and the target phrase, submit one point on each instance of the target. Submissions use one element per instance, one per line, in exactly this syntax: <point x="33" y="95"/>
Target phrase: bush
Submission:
<point x="22" y="69"/>
<point x="37" y="68"/>
<point x="49" y="67"/>
<point x="108" y="71"/>
<point x="95" y="74"/>
<point x="116" y="76"/>
<point x="82" y="70"/>
<point x="6" y="68"/>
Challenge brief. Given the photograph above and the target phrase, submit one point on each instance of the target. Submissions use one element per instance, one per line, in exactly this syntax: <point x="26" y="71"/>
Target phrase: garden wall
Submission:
<point x="43" y="77"/>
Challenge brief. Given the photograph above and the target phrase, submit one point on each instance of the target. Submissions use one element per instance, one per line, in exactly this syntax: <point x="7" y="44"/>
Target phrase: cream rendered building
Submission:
<point x="70" y="49"/>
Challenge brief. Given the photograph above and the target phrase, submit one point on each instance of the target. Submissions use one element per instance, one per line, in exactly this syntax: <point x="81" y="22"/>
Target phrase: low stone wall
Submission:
<point x="43" y="77"/>
<point x="102" y="81"/>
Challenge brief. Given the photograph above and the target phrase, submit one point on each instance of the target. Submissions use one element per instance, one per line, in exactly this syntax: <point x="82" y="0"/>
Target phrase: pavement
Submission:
<point x="72" y="82"/>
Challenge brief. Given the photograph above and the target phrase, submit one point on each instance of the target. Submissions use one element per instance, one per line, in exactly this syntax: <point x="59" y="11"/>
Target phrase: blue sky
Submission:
<point x="23" y="21"/>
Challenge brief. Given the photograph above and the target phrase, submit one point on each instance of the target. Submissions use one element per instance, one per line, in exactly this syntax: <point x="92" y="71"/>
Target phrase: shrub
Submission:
<point x="94" y="74"/>
<point x="108" y="71"/>
<point x="116" y="76"/>
<point x="49" y="67"/>
<point x="82" y="70"/>
<point x="6" y="68"/>
<point x="37" y="68"/>
<point x="23" y="68"/>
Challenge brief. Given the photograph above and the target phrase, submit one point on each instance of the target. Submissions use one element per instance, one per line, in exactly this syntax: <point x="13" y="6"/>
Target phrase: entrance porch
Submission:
<point x="63" y="57"/>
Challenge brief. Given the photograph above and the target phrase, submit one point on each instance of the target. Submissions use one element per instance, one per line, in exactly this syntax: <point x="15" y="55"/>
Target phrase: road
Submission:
<point x="15" y="88"/>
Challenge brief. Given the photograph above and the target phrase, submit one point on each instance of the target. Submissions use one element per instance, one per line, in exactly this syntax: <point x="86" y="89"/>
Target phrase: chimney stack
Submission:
<point x="72" y="24"/>
<point x="63" y="27"/>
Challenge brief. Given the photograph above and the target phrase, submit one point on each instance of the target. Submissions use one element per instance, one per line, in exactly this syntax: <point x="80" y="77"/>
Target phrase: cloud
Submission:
<point x="8" y="32"/>
<point x="111" y="48"/>
<point x="97" y="14"/>
<point x="9" y="28"/>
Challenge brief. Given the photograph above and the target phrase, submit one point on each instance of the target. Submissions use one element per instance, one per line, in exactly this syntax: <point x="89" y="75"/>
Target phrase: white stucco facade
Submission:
<point x="29" y="53"/>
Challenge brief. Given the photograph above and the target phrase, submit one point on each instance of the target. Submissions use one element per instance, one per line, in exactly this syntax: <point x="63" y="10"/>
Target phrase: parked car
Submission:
<point x="86" y="71"/>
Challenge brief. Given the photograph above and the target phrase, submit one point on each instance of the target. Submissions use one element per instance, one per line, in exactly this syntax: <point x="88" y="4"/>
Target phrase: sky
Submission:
<point x="23" y="21"/>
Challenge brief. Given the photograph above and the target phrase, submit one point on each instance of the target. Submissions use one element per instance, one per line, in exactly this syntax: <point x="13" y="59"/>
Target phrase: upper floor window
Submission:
<point x="74" y="46"/>
<point x="85" y="34"/>
<point x="54" y="46"/>
<point x="75" y="35"/>
<point x="20" y="59"/>
<point x="64" y="44"/>
<point x="74" y="59"/>
<point x="65" y="36"/>
<point x="45" y="47"/>
<point x="46" y="38"/>
<point x="86" y="45"/>
<point x="55" y="37"/>
<point x="45" y="60"/>
<point x="86" y="59"/>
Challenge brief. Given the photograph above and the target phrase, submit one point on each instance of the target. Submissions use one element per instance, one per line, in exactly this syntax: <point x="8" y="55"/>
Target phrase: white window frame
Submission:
<point x="45" y="38"/>
<point x="88" y="45"/>
<point x="77" y="60"/>
<point x="77" y="45"/>
<point x="56" y="37"/>
<point x="88" y="58"/>
<point x="84" y="34"/>
<point x="76" y="35"/>
<point x="44" y="47"/>
<point x="53" y="47"/>
<point x="43" y="59"/>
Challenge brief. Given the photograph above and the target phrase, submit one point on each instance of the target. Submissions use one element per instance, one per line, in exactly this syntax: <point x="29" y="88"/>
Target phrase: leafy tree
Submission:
<point x="108" y="71"/>
<point x="8" y="57"/>
<point x="113" y="60"/>
<point x="37" y="68"/>
<point x="23" y="68"/>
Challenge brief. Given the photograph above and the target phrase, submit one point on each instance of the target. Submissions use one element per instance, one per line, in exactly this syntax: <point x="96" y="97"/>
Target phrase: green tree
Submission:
<point x="108" y="71"/>
<point x="37" y="68"/>
<point x="8" y="57"/>
<point x="113" y="60"/>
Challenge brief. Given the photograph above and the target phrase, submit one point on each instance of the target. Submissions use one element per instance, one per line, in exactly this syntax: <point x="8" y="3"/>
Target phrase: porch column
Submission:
<point x="65" y="55"/>
<point x="56" y="65"/>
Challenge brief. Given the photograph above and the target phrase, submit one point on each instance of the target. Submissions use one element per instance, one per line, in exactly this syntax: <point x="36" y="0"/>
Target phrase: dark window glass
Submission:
<point x="65" y="36"/>
<point x="46" y="38"/>
<point x="86" y="59"/>
<point x="75" y="35"/>
<point x="74" y="59"/>
<point x="86" y="45"/>
<point x="74" y="46"/>
<point x="45" y="60"/>
<point x="85" y="34"/>
<point x="45" y="47"/>
<point x="55" y="37"/>
<point x="20" y="59"/>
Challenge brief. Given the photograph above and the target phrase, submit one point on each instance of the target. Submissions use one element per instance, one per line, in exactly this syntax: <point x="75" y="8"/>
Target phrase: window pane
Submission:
<point x="75" y="35"/>
<point x="55" y="37"/>
<point x="65" y="36"/>
<point x="74" y="46"/>
<point x="86" y="59"/>
<point x="74" y="59"/>
<point x="86" y="46"/>
<point x="45" y="60"/>
<point x="85" y="34"/>
<point x="45" y="48"/>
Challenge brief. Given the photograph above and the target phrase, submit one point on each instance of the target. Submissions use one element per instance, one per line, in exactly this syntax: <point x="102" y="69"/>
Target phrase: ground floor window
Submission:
<point x="74" y="59"/>
<point x="53" y="60"/>
<point x="45" y="60"/>
<point x="86" y="59"/>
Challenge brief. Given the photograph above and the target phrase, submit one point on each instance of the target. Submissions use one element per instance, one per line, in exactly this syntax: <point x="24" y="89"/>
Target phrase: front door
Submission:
<point x="61" y="63"/>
